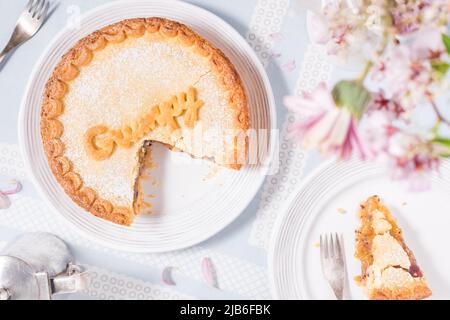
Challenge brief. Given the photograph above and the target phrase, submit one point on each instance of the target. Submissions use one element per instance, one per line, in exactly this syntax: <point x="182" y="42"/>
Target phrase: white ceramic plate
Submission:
<point x="193" y="206"/>
<point x="294" y="255"/>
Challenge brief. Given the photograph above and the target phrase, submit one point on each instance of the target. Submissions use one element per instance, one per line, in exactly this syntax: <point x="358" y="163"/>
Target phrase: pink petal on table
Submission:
<point x="276" y="36"/>
<point x="17" y="188"/>
<point x="209" y="272"/>
<point x="317" y="28"/>
<point x="5" y="203"/>
<point x="275" y="55"/>
<point x="167" y="276"/>
<point x="289" y="66"/>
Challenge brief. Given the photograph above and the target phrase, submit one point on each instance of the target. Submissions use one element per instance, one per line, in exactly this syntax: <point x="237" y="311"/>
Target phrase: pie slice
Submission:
<point x="389" y="269"/>
<point x="129" y="84"/>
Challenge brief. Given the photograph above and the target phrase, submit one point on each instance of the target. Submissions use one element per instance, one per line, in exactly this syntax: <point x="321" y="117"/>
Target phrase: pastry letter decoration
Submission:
<point x="100" y="141"/>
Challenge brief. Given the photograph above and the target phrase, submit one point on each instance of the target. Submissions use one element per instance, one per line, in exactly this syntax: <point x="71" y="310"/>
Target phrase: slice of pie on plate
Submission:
<point x="129" y="84"/>
<point x="389" y="268"/>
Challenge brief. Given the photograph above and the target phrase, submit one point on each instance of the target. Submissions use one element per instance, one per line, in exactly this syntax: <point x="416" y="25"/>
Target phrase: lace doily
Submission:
<point x="314" y="69"/>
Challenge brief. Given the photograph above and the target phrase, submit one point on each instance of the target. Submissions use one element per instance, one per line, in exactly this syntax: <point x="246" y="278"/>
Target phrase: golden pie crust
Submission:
<point x="80" y="56"/>
<point x="398" y="277"/>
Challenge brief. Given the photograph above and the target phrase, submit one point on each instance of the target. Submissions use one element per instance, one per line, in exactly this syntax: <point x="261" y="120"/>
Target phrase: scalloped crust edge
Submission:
<point x="80" y="55"/>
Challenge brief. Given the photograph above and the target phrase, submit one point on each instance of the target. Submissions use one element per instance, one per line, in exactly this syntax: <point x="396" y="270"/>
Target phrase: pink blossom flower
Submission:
<point x="375" y="130"/>
<point x="412" y="157"/>
<point x="405" y="18"/>
<point x="350" y="30"/>
<point x="427" y="44"/>
<point x="404" y="54"/>
<point x="317" y="28"/>
<point x="320" y="123"/>
<point x="394" y="69"/>
<point x="401" y="76"/>
<point x="410" y="15"/>
<point x="409" y="155"/>
<point x="338" y="28"/>
<point x="391" y="106"/>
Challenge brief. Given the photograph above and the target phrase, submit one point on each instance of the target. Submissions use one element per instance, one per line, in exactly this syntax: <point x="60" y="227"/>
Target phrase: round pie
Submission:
<point x="130" y="84"/>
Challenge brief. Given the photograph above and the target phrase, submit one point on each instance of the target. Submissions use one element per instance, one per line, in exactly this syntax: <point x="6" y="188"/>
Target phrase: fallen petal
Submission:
<point x="4" y="201"/>
<point x="317" y="28"/>
<point x="167" y="276"/>
<point x="209" y="272"/>
<point x="275" y="55"/>
<point x="17" y="188"/>
<point x="289" y="66"/>
<point x="277" y="36"/>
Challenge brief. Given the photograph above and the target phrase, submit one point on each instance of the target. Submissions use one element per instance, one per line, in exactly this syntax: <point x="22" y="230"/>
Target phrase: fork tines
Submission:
<point x="333" y="262"/>
<point x="37" y="8"/>
<point x="330" y="245"/>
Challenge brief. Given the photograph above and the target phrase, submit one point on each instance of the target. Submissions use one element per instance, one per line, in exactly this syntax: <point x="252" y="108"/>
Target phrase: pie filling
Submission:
<point x="138" y="199"/>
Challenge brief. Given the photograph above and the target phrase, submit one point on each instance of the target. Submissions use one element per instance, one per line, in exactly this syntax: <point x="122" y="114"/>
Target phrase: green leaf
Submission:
<point x="446" y="40"/>
<point x="440" y="68"/>
<point x="445" y="143"/>
<point x="351" y="95"/>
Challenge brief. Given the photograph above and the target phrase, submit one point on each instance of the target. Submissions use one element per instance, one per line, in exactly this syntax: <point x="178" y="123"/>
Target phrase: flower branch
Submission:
<point x="440" y="117"/>
<point x="409" y="68"/>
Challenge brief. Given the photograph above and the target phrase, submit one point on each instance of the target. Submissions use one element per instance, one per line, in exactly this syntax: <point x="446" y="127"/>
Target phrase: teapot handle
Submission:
<point x="73" y="280"/>
<point x="4" y="294"/>
<point x="70" y="284"/>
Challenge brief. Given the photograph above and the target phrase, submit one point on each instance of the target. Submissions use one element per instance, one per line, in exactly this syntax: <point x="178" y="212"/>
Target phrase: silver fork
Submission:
<point x="333" y="262"/>
<point x="27" y="25"/>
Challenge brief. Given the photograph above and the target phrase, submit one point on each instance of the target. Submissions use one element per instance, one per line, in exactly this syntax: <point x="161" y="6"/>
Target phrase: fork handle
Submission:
<point x="2" y="57"/>
<point x="5" y="53"/>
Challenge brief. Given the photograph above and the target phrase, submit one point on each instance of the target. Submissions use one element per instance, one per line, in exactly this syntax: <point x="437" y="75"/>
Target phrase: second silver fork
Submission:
<point x="28" y="24"/>
<point x="333" y="262"/>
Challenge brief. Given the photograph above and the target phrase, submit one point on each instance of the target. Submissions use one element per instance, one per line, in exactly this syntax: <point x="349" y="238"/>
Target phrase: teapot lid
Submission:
<point x="44" y="252"/>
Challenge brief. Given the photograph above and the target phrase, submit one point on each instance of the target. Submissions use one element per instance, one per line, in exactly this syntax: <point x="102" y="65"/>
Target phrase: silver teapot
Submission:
<point x="37" y="266"/>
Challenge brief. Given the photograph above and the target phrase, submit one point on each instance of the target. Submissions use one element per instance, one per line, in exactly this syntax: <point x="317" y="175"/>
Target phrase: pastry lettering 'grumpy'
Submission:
<point x="100" y="141"/>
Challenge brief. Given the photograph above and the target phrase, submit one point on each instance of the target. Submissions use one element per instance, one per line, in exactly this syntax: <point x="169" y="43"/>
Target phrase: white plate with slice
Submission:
<point x="328" y="201"/>
<point x="194" y="200"/>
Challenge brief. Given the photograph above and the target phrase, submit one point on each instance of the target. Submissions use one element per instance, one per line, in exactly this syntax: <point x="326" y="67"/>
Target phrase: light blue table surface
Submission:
<point x="233" y="240"/>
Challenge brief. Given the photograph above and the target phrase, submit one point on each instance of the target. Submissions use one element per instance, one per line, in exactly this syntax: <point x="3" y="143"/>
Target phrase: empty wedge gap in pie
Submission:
<point x="126" y="85"/>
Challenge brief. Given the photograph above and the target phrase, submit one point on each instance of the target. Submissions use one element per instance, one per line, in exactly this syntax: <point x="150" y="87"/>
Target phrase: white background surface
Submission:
<point x="276" y="31"/>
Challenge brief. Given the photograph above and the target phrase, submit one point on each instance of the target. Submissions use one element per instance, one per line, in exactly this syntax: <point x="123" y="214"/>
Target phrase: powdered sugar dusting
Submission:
<point x="121" y="83"/>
